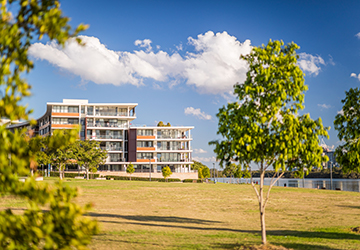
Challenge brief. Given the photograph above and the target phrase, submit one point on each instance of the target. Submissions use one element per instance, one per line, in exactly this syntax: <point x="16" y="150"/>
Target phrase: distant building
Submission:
<point x="110" y="124"/>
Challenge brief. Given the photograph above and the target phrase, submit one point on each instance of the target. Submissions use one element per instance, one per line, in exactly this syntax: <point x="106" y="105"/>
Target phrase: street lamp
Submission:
<point x="150" y="168"/>
<point x="331" y="182"/>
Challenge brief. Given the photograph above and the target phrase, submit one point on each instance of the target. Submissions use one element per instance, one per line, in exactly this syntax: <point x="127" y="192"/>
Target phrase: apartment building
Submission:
<point x="147" y="147"/>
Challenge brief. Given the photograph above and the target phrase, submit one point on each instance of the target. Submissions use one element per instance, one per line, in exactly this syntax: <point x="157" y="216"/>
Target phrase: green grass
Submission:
<point x="154" y="215"/>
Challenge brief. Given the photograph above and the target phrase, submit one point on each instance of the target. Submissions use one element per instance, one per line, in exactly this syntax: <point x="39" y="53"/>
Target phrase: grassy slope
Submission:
<point x="139" y="215"/>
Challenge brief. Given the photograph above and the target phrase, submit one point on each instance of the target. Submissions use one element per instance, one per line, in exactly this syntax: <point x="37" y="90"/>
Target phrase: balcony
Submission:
<point x="112" y="137"/>
<point x="109" y="148"/>
<point x="104" y="113"/>
<point x="106" y="125"/>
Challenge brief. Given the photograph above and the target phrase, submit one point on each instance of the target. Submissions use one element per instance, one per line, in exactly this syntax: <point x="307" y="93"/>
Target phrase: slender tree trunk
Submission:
<point x="262" y="207"/>
<point x="60" y="174"/>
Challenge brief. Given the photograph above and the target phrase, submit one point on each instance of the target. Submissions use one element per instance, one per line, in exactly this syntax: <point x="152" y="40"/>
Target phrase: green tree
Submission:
<point x="166" y="172"/>
<point x="62" y="225"/>
<point x="88" y="154"/>
<point x="264" y="127"/>
<point x="130" y="169"/>
<point x="201" y="169"/>
<point x="347" y="123"/>
<point x="205" y="171"/>
<point x="160" y="124"/>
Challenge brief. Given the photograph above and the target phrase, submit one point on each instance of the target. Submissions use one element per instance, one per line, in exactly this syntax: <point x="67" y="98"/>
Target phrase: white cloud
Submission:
<point x="200" y="151"/>
<point x="358" y="35"/>
<point x="355" y="76"/>
<point x="325" y="106"/>
<point x="146" y="43"/>
<point x="310" y="63"/>
<point x="213" y="68"/>
<point x="197" y="113"/>
<point x="341" y="112"/>
<point x="204" y="159"/>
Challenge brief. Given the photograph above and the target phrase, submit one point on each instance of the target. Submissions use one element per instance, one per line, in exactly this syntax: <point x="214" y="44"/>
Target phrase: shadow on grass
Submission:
<point x="206" y="225"/>
<point x="146" y="218"/>
<point x="295" y="246"/>
<point x="355" y="207"/>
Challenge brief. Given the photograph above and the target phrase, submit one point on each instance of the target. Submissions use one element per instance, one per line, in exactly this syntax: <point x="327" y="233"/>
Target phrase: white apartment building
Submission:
<point x="147" y="147"/>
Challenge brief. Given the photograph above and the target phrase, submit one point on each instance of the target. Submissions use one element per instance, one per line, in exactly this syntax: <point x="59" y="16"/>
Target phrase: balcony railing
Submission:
<point x="117" y="137"/>
<point x="106" y="125"/>
<point x="109" y="148"/>
<point x="104" y="113"/>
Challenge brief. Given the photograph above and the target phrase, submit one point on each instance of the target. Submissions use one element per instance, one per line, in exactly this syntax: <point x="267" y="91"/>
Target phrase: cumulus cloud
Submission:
<point x="325" y="106"/>
<point x="341" y="112"/>
<point x="358" y="35"/>
<point x="197" y="113"/>
<point x="200" y="151"/>
<point x="311" y="64"/>
<point x="355" y="76"/>
<point x="213" y="67"/>
<point x="204" y="159"/>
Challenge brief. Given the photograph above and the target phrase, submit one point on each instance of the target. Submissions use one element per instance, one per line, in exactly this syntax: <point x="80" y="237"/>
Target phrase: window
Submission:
<point x="144" y="155"/>
<point x="65" y="121"/>
<point x="90" y="110"/>
<point x="73" y="109"/>
<point x="146" y="132"/>
<point x="144" y="144"/>
<point x="82" y="109"/>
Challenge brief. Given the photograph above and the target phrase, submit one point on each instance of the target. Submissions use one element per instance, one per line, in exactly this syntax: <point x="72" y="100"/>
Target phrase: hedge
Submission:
<point x="68" y="175"/>
<point x="134" y="178"/>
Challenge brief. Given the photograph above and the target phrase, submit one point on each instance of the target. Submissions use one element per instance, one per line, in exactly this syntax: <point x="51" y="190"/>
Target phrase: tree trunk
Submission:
<point x="262" y="208"/>
<point x="87" y="173"/>
<point x="60" y="174"/>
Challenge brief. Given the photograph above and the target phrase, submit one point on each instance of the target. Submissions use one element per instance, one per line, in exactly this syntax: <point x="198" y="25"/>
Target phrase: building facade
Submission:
<point x="147" y="147"/>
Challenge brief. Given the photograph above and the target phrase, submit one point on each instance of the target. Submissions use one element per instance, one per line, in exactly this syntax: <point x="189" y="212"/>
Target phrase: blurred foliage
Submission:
<point x="61" y="225"/>
<point x="347" y="123"/>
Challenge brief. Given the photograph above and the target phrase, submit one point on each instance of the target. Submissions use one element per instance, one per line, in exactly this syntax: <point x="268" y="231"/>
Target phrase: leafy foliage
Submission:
<point x="264" y="127"/>
<point x="130" y="169"/>
<point x="203" y="170"/>
<point x="88" y="154"/>
<point x="161" y="124"/>
<point x="62" y="226"/>
<point x="166" y="172"/>
<point x="347" y="123"/>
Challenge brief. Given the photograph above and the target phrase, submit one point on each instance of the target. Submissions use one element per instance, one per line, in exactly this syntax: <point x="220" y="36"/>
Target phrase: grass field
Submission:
<point x="153" y="215"/>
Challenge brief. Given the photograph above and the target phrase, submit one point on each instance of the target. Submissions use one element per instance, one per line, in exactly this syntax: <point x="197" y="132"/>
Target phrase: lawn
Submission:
<point x="154" y="215"/>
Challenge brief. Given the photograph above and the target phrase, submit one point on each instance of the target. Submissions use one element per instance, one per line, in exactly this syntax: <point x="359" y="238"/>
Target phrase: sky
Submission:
<point x="179" y="60"/>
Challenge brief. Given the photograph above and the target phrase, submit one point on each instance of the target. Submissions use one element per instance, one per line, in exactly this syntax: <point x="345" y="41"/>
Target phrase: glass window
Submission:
<point x="146" y="132"/>
<point x="144" y="144"/>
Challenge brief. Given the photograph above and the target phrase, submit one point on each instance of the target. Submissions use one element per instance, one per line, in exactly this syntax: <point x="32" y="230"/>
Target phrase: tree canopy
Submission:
<point x="166" y="172"/>
<point x="264" y="127"/>
<point x="62" y="225"/>
<point x="203" y="170"/>
<point x="88" y="154"/>
<point x="347" y="123"/>
<point x="130" y="169"/>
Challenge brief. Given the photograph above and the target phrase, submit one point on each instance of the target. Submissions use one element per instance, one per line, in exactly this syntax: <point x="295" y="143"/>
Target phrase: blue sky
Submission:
<point x="179" y="59"/>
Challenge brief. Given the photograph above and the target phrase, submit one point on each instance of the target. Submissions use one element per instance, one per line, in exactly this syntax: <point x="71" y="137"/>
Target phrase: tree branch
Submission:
<point x="271" y="185"/>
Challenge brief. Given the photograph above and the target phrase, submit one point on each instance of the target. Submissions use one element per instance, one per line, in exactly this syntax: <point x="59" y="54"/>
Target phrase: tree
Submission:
<point x="130" y="169"/>
<point x="166" y="172"/>
<point x="347" y="123"/>
<point x="203" y="170"/>
<point x="62" y="225"/>
<point x="89" y="154"/>
<point x="264" y="128"/>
